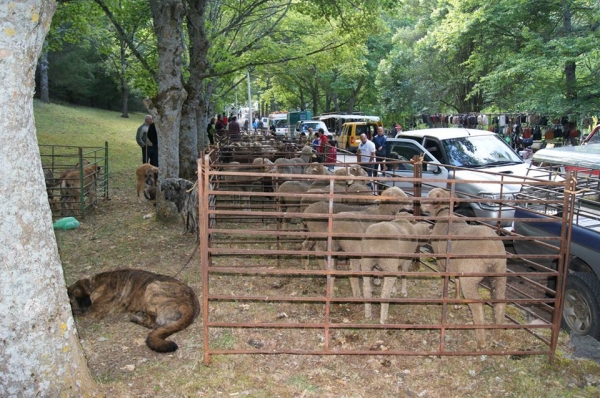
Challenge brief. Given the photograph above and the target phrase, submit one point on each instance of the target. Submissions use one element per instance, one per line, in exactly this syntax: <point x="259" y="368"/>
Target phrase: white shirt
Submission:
<point x="366" y="151"/>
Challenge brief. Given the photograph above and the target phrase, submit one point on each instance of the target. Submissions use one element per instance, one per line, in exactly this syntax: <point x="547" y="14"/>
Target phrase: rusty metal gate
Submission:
<point x="57" y="161"/>
<point x="261" y="296"/>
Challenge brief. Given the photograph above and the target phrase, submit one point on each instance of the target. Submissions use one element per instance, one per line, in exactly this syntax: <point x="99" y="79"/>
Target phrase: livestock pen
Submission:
<point x="260" y="296"/>
<point x="58" y="161"/>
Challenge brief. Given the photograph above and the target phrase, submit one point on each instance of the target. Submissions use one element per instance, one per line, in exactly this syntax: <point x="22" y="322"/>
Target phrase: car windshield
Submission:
<point x="280" y="124"/>
<point x="479" y="151"/>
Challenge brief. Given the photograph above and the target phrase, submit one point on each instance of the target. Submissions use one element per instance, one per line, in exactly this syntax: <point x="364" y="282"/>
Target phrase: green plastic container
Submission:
<point x="66" y="223"/>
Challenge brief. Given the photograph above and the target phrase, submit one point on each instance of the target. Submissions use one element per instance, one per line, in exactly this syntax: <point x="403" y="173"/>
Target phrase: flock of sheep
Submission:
<point x="383" y="244"/>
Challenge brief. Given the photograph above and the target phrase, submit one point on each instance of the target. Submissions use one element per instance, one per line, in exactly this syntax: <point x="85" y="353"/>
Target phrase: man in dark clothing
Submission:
<point x="234" y="130"/>
<point x="380" y="141"/>
<point x="210" y="131"/>
<point x="141" y="137"/>
<point x="153" y="145"/>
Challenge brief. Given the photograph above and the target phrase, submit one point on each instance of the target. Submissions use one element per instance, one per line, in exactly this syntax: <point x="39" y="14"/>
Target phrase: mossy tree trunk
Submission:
<point x="166" y="107"/>
<point x="39" y="347"/>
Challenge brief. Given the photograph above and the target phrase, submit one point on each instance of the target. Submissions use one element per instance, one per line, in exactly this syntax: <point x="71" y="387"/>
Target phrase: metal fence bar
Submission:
<point x="235" y="248"/>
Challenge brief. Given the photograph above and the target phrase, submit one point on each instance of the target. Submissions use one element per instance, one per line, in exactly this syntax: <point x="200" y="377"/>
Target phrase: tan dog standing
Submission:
<point x="70" y="187"/>
<point x="147" y="177"/>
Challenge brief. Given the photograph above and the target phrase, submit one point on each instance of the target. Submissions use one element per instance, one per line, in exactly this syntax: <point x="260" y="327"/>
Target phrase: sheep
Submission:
<point x="354" y="170"/>
<point x="349" y="186"/>
<point x="469" y="285"/>
<point x="401" y="242"/>
<point x="294" y="165"/>
<point x="246" y="183"/>
<point x="294" y="204"/>
<point x="353" y="223"/>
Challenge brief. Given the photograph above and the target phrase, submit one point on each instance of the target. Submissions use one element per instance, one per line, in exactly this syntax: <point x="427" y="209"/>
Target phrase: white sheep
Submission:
<point x="352" y="222"/>
<point x="401" y="241"/>
<point x="469" y="284"/>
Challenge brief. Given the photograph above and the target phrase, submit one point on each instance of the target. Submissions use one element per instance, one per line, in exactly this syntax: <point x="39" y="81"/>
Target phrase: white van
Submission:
<point x="278" y="123"/>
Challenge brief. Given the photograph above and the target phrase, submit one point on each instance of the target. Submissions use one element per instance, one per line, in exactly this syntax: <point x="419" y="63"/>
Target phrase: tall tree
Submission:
<point x="39" y="347"/>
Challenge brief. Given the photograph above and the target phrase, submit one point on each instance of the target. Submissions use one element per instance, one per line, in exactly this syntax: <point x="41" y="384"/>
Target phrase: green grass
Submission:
<point x="80" y="126"/>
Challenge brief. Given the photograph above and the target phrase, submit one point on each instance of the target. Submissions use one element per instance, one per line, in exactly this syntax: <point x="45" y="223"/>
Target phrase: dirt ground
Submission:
<point x="122" y="233"/>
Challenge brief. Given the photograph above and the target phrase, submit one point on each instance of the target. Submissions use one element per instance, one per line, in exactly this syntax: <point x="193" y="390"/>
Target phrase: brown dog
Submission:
<point x="147" y="176"/>
<point x="158" y="302"/>
<point x="70" y="189"/>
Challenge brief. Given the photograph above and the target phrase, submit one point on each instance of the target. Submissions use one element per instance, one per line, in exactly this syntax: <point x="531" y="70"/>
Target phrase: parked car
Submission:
<point x="581" y="314"/>
<point x="335" y="122"/>
<point x="350" y="136"/>
<point x="303" y="126"/>
<point x="278" y="123"/>
<point x="461" y="154"/>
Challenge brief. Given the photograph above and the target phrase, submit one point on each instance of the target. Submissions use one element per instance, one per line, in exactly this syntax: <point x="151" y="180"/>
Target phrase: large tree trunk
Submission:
<point x="570" y="66"/>
<point x="39" y="347"/>
<point x="193" y="123"/>
<point x="205" y="111"/>
<point x="124" y="86"/>
<point x="188" y="137"/>
<point x="167" y="105"/>
<point x="43" y="65"/>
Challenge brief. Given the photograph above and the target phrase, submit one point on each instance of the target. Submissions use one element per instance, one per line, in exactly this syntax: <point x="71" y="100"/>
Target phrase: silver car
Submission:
<point x="480" y="164"/>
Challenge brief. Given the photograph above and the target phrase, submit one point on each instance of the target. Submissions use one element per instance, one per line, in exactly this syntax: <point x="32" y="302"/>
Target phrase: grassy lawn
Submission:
<point x="119" y="233"/>
<point x="80" y="126"/>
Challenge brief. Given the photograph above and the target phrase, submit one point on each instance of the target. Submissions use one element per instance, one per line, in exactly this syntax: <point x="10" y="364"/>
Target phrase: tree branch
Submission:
<point x="124" y="37"/>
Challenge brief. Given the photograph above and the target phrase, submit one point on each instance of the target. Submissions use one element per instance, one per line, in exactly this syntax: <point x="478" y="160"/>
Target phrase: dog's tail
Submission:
<point x="156" y="339"/>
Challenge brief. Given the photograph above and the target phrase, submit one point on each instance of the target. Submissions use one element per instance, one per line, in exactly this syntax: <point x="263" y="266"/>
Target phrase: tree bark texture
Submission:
<point x="124" y="85"/>
<point x="188" y="138"/>
<point x="166" y="106"/>
<point x="44" y="88"/>
<point x="570" y="66"/>
<point x="193" y="123"/>
<point x="40" y="353"/>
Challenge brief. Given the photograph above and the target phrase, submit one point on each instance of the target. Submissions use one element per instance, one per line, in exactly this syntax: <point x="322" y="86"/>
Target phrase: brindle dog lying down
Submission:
<point x="158" y="302"/>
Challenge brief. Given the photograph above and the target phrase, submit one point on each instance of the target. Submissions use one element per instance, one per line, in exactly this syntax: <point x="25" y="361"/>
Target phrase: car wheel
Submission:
<point x="581" y="309"/>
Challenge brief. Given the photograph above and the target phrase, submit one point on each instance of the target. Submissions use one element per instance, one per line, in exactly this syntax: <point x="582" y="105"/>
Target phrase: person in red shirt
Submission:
<point x="322" y="141"/>
<point x="331" y="156"/>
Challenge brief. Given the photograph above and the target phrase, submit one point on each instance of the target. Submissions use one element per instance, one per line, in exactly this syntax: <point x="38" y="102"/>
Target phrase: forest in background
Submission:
<point x="395" y="59"/>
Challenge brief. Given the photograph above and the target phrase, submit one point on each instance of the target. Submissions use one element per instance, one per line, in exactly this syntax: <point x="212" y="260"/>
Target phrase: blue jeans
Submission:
<point x="370" y="173"/>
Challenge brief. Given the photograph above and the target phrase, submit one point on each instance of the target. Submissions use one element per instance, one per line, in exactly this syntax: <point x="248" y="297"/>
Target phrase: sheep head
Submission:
<point x="442" y="197"/>
<point x="390" y="206"/>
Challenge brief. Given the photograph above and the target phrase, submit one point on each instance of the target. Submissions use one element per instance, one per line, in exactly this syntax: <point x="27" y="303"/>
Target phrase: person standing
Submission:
<point x="153" y="145"/>
<point x="366" y="154"/>
<point x="398" y="128"/>
<point x="210" y="131"/>
<point x="331" y="156"/>
<point x="234" y="130"/>
<point x="313" y="138"/>
<point x="323" y="146"/>
<point x="142" y="137"/>
<point x="219" y="125"/>
<point x="380" y="141"/>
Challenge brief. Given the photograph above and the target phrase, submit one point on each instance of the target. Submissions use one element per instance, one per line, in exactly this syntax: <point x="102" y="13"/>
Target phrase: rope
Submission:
<point x="188" y="261"/>
<point x="192" y="188"/>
